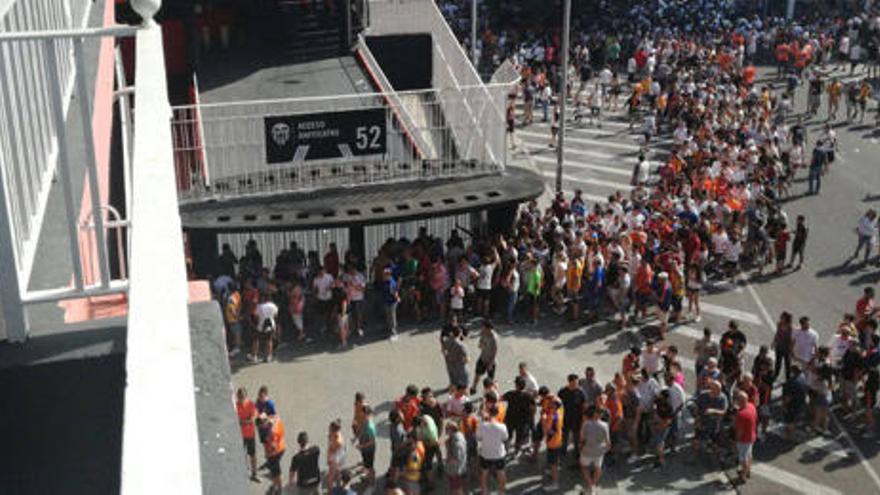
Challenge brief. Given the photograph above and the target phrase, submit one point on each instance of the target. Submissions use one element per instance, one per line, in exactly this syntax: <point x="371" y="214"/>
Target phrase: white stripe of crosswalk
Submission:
<point x="590" y="181"/>
<point x="730" y="313"/>
<point x="577" y="151"/>
<point x="593" y="142"/>
<point x="586" y="166"/>
<point x="791" y="480"/>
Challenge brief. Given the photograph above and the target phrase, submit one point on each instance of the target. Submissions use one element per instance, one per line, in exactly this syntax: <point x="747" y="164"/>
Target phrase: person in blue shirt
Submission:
<point x="390" y="298"/>
<point x="265" y="410"/>
<point x="595" y="291"/>
<point x="817" y="165"/>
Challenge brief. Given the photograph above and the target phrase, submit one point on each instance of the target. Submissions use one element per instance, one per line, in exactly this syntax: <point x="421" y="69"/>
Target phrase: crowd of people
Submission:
<point x="711" y="212"/>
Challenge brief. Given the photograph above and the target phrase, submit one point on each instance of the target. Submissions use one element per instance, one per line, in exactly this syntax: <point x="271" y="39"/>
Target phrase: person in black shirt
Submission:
<point x="665" y="414"/>
<point x="733" y="343"/>
<point x="794" y="400"/>
<point x="520" y="413"/>
<point x="800" y="242"/>
<point x="304" y="471"/>
<point x="850" y="371"/>
<point x="573" y="400"/>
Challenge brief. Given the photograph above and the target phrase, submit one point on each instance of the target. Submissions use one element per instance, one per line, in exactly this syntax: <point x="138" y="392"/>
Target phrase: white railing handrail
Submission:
<point x="74" y="34"/>
<point x="322" y="98"/>
<point x="160" y="389"/>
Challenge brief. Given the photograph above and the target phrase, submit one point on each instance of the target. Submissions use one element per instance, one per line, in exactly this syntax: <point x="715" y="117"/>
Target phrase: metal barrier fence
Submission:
<point x="271" y="244"/>
<point x="437" y="140"/>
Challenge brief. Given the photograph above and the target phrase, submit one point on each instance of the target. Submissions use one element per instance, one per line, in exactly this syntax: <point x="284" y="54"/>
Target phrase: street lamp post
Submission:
<point x="563" y="87"/>
<point x="474" y="32"/>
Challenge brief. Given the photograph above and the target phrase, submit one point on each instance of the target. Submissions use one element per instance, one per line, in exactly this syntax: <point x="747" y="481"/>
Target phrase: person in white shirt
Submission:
<point x="804" y="341"/>
<point x="492" y="438"/>
<point x="267" y="314"/>
<point x="323" y="288"/>
<point x="531" y="383"/>
<point x="866" y="230"/>
<point x="642" y="172"/>
<point x="677" y="399"/>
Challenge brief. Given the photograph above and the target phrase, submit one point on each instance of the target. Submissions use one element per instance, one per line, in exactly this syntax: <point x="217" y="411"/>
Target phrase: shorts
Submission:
<point x="492" y="464"/>
<point x="484" y="368"/>
<point x="592" y="461"/>
<point x="250" y="446"/>
<point x="676" y="303"/>
<point x="537" y="433"/>
<point x="368" y="456"/>
<point x="660" y="437"/>
<point x="744" y="452"/>
<point x="791" y="414"/>
<point x="235" y="328"/>
<point x="274" y="464"/>
<point x="484" y="294"/>
<point x="554" y="456"/>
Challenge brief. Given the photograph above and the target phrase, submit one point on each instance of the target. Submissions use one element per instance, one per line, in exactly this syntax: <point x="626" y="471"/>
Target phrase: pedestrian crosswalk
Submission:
<point x="597" y="160"/>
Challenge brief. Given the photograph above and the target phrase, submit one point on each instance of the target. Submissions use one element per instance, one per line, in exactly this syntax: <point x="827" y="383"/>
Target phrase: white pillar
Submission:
<point x="789" y="9"/>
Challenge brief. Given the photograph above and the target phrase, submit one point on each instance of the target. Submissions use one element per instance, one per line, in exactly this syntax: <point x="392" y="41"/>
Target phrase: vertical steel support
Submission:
<point x="563" y="90"/>
<point x="64" y="163"/>
<point x="85" y="107"/>
<point x="14" y="315"/>
<point x="474" y="33"/>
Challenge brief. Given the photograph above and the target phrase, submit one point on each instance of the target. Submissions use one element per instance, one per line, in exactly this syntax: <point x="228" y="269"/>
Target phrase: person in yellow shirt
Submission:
<point x="412" y="470"/>
<point x="573" y="282"/>
<point x="835" y="89"/>
<point x="551" y="422"/>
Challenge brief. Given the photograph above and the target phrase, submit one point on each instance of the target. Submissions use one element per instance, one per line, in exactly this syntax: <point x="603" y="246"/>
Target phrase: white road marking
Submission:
<point x="537" y="147"/>
<point x="730" y="313"/>
<point x="791" y="480"/>
<point x="591" y="142"/>
<point x="585" y="166"/>
<point x="594" y="182"/>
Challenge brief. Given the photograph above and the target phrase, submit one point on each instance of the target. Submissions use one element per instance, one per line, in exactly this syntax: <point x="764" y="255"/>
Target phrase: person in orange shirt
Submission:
<point x="644" y="294"/>
<point x="247" y="413"/>
<point x="782" y="52"/>
<point x="552" y="426"/>
<point x="275" y="451"/>
<point x="574" y="280"/>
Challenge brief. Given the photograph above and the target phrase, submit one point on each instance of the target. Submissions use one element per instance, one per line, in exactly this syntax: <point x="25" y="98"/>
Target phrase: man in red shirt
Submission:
<point x="745" y="427"/>
<point x="247" y="413"/>
<point x="408" y="406"/>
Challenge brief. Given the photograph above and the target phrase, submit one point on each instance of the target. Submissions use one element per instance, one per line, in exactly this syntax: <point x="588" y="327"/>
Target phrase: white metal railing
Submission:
<point x="233" y="142"/>
<point x="40" y="79"/>
<point x="32" y="72"/>
<point x="465" y="99"/>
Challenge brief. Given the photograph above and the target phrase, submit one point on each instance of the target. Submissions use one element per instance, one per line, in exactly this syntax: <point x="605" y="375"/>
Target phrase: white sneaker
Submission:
<point x="393" y="337"/>
<point x="252" y="359"/>
<point x="697" y="319"/>
<point x="235" y="352"/>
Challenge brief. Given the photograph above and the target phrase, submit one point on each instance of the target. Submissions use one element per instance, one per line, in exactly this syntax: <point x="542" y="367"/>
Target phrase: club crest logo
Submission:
<point x="281" y="133"/>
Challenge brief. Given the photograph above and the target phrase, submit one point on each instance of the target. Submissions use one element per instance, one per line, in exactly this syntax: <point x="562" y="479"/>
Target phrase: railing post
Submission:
<point x="14" y="315"/>
<point x="91" y="162"/>
<point x="64" y="163"/>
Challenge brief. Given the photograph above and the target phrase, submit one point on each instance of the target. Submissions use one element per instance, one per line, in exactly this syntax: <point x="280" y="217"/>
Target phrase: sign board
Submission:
<point x="328" y="135"/>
